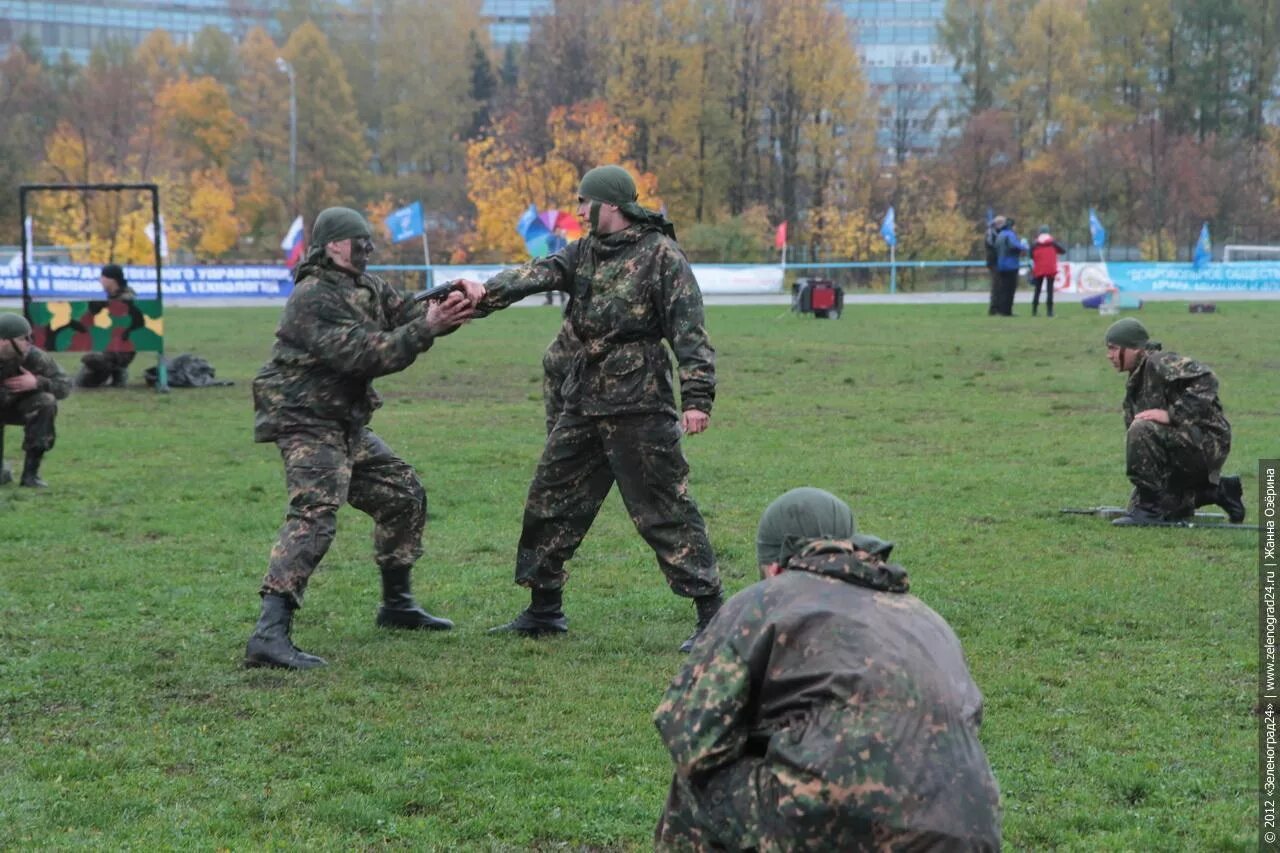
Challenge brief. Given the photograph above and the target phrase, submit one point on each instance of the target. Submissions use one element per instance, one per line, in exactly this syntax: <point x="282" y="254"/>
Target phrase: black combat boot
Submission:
<point x="399" y="610"/>
<point x="708" y="606"/>
<point x="543" y="616"/>
<point x="1147" y="508"/>
<point x="119" y="377"/>
<point x="269" y="645"/>
<point x="1231" y="498"/>
<point x="31" y="470"/>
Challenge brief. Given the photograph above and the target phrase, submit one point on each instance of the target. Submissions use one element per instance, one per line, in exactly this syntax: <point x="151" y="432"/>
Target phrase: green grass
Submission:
<point x="1119" y="666"/>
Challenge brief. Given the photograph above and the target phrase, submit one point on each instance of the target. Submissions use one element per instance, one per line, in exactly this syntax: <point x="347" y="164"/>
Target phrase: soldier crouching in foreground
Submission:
<point x="31" y="384"/>
<point x="340" y="329"/>
<point x="1176" y="437"/>
<point x="825" y="708"/>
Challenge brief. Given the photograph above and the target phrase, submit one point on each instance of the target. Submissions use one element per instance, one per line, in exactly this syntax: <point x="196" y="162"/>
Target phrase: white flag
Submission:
<point x="150" y="231"/>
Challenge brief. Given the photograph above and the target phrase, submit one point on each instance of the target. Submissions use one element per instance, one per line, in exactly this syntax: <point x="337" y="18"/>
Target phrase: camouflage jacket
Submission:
<point x="338" y="332"/>
<point x="49" y="374"/>
<point x="853" y="694"/>
<point x="1182" y="386"/>
<point x="628" y="291"/>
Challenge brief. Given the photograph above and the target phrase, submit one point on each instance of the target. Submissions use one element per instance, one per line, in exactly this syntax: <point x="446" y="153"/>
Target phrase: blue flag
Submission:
<point x="1204" y="249"/>
<point x="888" y="228"/>
<point x="1096" y="230"/>
<point x="405" y="223"/>
<point x="538" y="238"/>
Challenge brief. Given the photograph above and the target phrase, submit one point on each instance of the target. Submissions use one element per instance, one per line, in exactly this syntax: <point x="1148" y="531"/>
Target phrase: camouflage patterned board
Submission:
<point x="1117" y="511"/>
<point x="98" y="326"/>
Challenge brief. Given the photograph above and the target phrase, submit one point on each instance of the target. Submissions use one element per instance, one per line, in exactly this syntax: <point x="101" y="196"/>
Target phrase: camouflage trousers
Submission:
<point x="104" y="368"/>
<point x="35" y="412"/>
<point x="583" y="458"/>
<point x="741" y="808"/>
<point x="324" y="468"/>
<point x="1170" y="466"/>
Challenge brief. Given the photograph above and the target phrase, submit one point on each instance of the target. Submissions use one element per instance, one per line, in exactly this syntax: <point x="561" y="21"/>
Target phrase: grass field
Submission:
<point x="1119" y="666"/>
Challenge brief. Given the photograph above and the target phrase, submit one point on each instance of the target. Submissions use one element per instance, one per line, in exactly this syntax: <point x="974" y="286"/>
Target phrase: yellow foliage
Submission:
<point x="198" y="121"/>
<point x="503" y="182"/>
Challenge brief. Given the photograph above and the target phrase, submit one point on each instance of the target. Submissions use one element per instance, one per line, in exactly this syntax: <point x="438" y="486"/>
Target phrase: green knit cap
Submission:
<point x="338" y="223"/>
<point x="13" y="326"/>
<point x="610" y="184"/>
<point x="798" y="517"/>
<point x="1128" y="333"/>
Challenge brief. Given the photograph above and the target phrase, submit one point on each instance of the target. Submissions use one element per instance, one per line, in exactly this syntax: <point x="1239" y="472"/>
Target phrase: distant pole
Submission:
<point x="286" y="68"/>
<point x="893" y="269"/>
<point x="427" y="278"/>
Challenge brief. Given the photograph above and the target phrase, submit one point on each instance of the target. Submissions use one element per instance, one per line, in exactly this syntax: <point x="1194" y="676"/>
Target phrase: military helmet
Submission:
<point x="338" y="223"/>
<point x="13" y="326"/>
<point x="1128" y="333"/>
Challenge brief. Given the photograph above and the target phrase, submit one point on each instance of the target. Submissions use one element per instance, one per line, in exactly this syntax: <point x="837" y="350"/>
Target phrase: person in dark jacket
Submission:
<point x="1044" y="269"/>
<point x="1176" y="436"/>
<point x="341" y="329"/>
<point x="100" y="369"/>
<point x="632" y="295"/>
<point x="825" y="708"/>
<point x="989" y="242"/>
<point x="1009" y="248"/>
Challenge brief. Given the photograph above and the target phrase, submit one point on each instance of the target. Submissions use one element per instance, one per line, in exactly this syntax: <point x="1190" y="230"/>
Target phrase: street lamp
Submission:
<point x="286" y="68"/>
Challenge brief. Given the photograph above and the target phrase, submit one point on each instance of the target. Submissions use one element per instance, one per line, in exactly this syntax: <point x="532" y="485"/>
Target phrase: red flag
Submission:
<point x="780" y="237"/>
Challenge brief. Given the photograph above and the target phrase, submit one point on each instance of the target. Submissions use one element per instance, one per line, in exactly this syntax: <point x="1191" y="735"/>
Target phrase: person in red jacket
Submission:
<point x="1044" y="268"/>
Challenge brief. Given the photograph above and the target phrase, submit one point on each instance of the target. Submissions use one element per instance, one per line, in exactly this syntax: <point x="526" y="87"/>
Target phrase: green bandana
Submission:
<point x="614" y="185"/>
<point x="797" y="517"/>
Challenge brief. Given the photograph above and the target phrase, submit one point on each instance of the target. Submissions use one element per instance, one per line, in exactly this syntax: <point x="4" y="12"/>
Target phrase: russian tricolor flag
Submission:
<point x="292" y="244"/>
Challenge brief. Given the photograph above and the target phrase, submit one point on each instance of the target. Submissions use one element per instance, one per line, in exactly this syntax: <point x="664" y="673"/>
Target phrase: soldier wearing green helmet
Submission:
<point x="630" y="290"/>
<point x="1176" y="436"/>
<point x="31" y="384"/>
<point x="341" y="329"/>
<point x="825" y="708"/>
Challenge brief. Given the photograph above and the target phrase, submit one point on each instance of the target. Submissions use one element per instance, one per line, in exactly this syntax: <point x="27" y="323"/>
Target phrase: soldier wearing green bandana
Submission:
<point x="825" y="708"/>
<point x="341" y="329"/>
<point x="630" y="290"/>
<point x="1176" y="436"/>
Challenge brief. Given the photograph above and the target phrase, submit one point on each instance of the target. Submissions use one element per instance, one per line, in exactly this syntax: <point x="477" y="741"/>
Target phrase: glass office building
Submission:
<point x="509" y="20"/>
<point x="76" y="27"/>
<point x="908" y="71"/>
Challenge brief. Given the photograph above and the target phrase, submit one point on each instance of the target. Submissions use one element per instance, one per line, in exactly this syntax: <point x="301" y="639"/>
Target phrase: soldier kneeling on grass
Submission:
<point x="31" y="384"/>
<point x="1177" y="438"/>
<point x="825" y="708"/>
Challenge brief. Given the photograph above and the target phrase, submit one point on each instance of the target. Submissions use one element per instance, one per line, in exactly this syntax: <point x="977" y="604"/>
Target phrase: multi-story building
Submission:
<point x="908" y="70"/>
<point x="509" y="20"/>
<point x="76" y="27"/>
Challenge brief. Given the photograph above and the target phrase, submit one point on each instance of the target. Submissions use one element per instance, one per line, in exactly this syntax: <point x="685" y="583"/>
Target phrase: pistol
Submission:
<point x="439" y="292"/>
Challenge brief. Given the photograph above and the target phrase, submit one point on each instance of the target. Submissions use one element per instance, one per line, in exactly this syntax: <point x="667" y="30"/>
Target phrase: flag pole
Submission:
<point x="893" y="269"/>
<point x="427" y="274"/>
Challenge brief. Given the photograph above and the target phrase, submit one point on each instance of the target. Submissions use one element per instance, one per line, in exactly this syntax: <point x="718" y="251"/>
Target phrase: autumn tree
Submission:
<point x="503" y="180"/>
<point x="332" y="155"/>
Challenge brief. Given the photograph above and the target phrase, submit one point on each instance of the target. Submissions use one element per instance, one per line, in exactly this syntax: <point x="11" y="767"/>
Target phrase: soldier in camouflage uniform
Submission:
<point x="31" y="384"/>
<point x="341" y="329"/>
<point x="556" y="362"/>
<point x="1177" y="438"/>
<point x="630" y="288"/>
<point x="99" y="369"/>
<point x="825" y="708"/>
